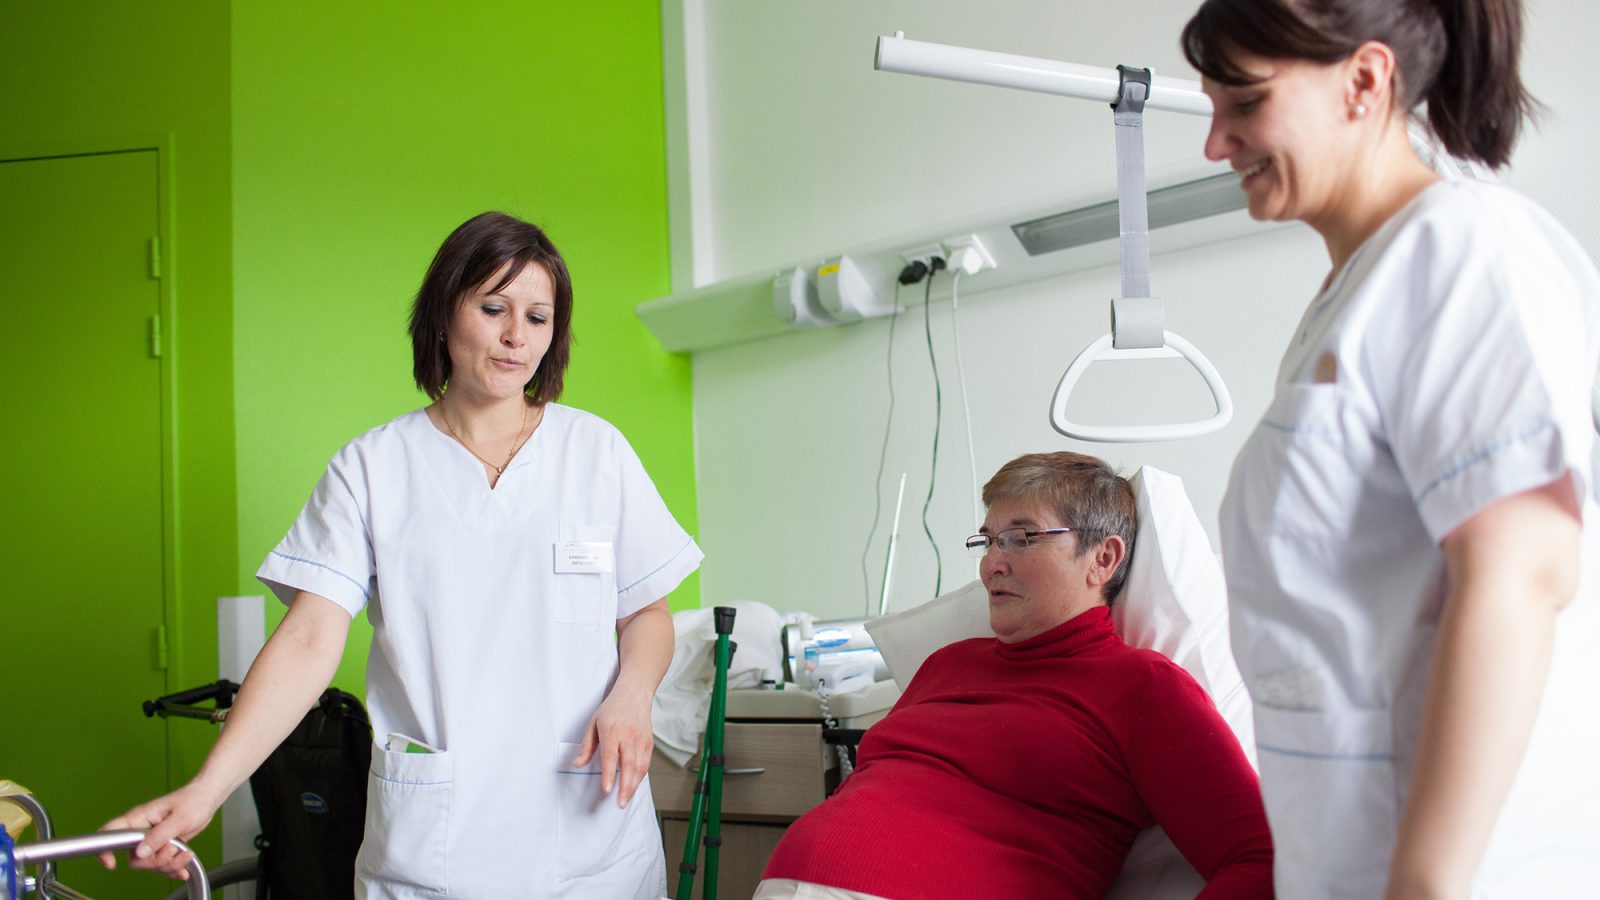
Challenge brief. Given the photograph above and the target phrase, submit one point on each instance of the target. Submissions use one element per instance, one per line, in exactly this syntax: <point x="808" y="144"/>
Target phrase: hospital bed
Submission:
<point x="1174" y="602"/>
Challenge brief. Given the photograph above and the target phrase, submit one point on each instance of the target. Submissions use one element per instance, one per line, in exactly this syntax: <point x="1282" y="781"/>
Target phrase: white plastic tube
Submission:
<point x="1028" y="73"/>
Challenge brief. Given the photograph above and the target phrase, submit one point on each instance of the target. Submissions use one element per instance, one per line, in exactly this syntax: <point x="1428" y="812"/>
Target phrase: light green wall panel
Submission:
<point x="313" y="158"/>
<point x="363" y="134"/>
<point x="100" y="76"/>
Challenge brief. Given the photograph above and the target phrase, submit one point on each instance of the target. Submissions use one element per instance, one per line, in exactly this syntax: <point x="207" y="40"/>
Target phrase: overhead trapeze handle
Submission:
<point x="1102" y="349"/>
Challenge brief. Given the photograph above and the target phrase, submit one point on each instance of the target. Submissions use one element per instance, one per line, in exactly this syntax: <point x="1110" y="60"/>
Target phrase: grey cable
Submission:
<point x="938" y="415"/>
<point x="883" y="456"/>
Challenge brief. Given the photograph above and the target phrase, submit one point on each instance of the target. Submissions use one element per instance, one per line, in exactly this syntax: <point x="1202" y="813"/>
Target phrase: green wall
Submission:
<point x="362" y="135"/>
<point x="318" y="154"/>
<point x="78" y="77"/>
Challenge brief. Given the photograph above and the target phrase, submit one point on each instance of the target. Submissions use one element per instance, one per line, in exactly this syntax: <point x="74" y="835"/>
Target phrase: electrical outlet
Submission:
<point x="968" y="255"/>
<point x="924" y="254"/>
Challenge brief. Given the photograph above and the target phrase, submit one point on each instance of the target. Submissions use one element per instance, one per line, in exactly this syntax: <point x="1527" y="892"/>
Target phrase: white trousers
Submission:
<point x="789" y="889"/>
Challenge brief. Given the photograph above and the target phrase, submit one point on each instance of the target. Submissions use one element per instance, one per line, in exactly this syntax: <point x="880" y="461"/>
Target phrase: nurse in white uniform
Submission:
<point x="512" y="556"/>
<point x="1411" y="538"/>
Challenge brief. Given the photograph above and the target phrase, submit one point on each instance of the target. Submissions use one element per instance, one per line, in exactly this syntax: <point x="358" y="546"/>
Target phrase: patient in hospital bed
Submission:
<point x="1026" y="764"/>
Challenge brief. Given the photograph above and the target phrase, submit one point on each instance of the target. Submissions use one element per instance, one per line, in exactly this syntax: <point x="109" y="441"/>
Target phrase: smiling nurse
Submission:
<point x="512" y="555"/>
<point x="1410" y="535"/>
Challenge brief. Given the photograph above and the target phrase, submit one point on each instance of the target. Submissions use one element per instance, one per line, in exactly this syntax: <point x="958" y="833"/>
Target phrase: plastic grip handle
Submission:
<point x="221" y="691"/>
<point x="1102" y="349"/>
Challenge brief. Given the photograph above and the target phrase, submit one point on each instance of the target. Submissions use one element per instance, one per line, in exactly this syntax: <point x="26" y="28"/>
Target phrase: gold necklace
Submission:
<point x="521" y="439"/>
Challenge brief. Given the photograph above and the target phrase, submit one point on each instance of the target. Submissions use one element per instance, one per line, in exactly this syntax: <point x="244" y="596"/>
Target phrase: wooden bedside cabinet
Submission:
<point x="777" y="769"/>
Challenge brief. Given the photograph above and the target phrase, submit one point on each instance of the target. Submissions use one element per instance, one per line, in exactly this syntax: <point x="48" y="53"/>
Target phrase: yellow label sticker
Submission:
<point x="825" y="271"/>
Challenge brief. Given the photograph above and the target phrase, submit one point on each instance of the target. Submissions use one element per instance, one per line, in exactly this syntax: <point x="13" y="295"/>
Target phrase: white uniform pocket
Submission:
<point x="1301" y="476"/>
<point x="584" y="598"/>
<point x="1329" y="783"/>
<point x="593" y="832"/>
<point x="408" y="819"/>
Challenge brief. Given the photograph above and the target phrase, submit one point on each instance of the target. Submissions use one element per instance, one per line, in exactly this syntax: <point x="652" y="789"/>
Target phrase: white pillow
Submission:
<point x="1174" y="602"/>
<point x="907" y="638"/>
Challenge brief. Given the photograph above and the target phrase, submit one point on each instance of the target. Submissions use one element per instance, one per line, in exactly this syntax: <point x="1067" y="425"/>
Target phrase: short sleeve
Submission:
<point x="653" y="552"/>
<point x="328" y="550"/>
<point x="1482" y="364"/>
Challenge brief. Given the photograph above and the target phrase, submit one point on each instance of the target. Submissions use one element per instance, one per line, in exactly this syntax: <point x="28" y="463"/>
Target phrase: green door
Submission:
<point x="81" y="540"/>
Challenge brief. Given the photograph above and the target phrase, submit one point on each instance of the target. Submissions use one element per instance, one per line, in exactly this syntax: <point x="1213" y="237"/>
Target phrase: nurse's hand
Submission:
<point x="620" y="733"/>
<point x="181" y="814"/>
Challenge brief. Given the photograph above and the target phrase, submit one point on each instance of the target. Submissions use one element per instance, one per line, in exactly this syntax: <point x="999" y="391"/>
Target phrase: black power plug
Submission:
<point x="916" y="270"/>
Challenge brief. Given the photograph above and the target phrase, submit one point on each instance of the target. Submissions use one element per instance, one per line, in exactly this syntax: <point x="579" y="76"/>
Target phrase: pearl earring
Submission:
<point x="1360" y="110"/>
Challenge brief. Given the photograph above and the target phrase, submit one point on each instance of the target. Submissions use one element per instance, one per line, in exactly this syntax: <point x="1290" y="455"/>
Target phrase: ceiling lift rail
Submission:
<point x="1137" y="319"/>
<point x="1030" y="73"/>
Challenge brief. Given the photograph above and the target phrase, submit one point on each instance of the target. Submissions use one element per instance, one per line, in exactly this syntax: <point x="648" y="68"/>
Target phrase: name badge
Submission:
<point x="584" y="556"/>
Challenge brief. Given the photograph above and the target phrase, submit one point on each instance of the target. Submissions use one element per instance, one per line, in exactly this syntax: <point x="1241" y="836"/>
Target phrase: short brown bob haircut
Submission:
<point x="1084" y="492"/>
<point x="467" y="259"/>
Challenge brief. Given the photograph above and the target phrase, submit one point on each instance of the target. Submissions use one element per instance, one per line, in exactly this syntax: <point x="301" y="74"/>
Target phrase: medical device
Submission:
<point x="42" y="855"/>
<point x="843" y="671"/>
<point x="707" y="804"/>
<point x="1137" y="318"/>
<point x="844" y="638"/>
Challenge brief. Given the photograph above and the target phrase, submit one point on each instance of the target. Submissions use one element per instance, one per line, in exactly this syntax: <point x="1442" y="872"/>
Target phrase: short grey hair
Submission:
<point x="1083" y="491"/>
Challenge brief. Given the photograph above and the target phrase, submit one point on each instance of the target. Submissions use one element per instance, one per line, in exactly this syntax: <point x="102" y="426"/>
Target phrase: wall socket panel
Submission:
<point x="926" y="253"/>
<point x="957" y="244"/>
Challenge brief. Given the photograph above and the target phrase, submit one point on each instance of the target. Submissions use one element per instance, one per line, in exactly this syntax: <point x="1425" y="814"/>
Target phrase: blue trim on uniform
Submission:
<point x="1480" y="456"/>
<point x="653" y="572"/>
<point x="412" y="783"/>
<point x="359" y="586"/>
<point x="1340" y="757"/>
<point x="1329" y="429"/>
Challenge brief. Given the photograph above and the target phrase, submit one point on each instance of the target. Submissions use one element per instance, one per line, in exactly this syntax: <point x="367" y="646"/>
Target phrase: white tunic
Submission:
<point x="1446" y="367"/>
<point x="484" y="649"/>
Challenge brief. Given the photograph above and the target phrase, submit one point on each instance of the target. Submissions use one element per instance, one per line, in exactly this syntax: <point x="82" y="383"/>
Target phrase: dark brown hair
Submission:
<point x="1458" y="56"/>
<point x="466" y="260"/>
<point x="1083" y="491"/>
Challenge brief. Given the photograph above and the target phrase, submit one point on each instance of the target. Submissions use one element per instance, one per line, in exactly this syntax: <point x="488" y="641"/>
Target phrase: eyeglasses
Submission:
<point x="1011" y="540"/>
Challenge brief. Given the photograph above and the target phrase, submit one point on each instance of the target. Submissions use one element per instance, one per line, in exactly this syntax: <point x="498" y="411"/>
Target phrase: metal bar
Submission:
<point x="59" y="891"/>
<point x="106" y="842"/>
<point x="41" y="818"/>
<point x="697" y="813"/>
<point x="43" y="829"/>
<point x="714" y="749"/>
<point x="1028" y="73"/>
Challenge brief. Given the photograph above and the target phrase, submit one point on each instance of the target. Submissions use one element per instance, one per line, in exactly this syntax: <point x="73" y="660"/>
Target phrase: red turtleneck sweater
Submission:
<point x="1014" y="771"/>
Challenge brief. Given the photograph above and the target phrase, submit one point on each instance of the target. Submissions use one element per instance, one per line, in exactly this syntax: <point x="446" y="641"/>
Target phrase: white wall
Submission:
<point x="802" y="150"/>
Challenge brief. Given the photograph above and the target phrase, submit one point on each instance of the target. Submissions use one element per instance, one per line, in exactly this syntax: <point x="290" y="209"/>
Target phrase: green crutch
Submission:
<point x="707" y="806"/>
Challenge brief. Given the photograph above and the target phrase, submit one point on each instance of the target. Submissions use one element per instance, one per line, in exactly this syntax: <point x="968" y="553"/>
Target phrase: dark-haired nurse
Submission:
<point x="1411" y="536"/>
<point x="511" y="554"/>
